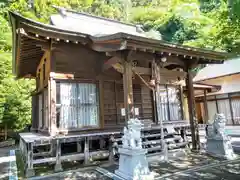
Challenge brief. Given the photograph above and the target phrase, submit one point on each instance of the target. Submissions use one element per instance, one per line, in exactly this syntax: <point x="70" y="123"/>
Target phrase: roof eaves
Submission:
<point x="14" y="41"/>
<point x="154" y="43"/>
<point x="44" y="27"/>
<point x="215" y="77"/>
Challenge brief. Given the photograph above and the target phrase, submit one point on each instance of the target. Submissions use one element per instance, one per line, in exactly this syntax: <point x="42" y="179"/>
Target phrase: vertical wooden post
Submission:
<point x="156" y="68"/>
<point x="181" y="102"/>
<point x="29" y="170"/>
<point x="112" y="145"/>
<point x="5" y="132"/>
<point x="52" y="104"/>
<point x="216" y="101"/>
<point x="154" y="104"/>
<point x="231" y="109"/>
<point x="116" y="105"/>
<point x="168" y="103"/>
<point x="102" y="142"/>
<point x="192" y="112"/>
<point x="128" y="90"/>
<point x="101" y="99"/>
<point x="205" y="106"/>
<point x="79" y="146"/>
<point x="58" y="165"/>
<point x="86" y="150"/>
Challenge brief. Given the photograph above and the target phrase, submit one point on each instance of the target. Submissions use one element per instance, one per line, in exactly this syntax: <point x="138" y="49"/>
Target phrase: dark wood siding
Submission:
<point x="110" y="116"/>
<point x="35" y="112"/>
<point x="78" y="60"/>
<point x="114" y="101"/>
<point x="147" y="103"/>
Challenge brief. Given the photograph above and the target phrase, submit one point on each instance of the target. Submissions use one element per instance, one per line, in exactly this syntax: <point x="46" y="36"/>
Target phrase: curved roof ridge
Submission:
<point x="94" y="16"/>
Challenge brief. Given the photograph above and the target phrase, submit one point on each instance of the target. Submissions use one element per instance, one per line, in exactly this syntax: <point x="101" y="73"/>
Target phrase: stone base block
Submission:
<point x="133" y="165"/>
<point x="29" y="172"/>
<point x="220" y="148"/>
<point x="58" y="167"/>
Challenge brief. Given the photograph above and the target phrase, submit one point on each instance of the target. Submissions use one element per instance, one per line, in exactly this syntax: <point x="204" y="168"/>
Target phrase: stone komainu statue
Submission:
<point x="218" y="142"/>
<point x="216" y="129"/>
<point x="132" y="135"/>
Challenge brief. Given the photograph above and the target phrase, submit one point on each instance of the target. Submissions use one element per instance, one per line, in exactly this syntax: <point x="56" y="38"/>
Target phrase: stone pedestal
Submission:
<point x="221" y="148"/>
<point x="29" y="172"/>
<point x="133" y="164"/>
<point x="218" y="143"/>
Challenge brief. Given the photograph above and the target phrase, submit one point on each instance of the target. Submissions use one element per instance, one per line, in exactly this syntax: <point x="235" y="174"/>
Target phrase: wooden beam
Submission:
<point x="192" y="111"/>
<point x="128" y="90"/>
<point x="174" y="60"/>
<point x="164" y="73"/>
<point x="110" y="62"/>
<point x="143" y="56"/>
<point x="61" y="75"/>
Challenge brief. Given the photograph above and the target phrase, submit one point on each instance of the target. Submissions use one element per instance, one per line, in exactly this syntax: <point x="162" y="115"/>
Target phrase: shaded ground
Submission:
<point x="193" y="166"/>
<point x="83" y="174"/>
<point x="197" y="166"/>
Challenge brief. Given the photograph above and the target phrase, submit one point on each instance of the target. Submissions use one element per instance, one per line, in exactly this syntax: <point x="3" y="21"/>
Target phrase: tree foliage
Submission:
<point x="212" y="24"/>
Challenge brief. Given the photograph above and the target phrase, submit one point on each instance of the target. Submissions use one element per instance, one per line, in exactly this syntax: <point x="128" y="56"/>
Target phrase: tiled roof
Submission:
<point x="92" y="25"/>
<point x="229" y="67"/>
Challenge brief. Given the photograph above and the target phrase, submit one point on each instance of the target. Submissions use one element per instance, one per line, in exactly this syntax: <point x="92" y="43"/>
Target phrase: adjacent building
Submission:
<point x="226" y="77"/>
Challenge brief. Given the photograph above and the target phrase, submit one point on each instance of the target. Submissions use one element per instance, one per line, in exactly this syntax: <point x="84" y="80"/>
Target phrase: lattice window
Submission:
<point x="78" y="105"/>
<point x="170" y="106"/>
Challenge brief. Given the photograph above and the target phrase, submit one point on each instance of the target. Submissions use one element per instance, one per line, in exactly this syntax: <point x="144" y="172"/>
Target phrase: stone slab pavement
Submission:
<point x="192" y="166"/>
<point x="5" y="160"/>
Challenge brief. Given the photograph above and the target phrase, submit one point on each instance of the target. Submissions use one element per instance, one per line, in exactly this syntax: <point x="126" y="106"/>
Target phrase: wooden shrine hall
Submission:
<point x="94" y="74"/>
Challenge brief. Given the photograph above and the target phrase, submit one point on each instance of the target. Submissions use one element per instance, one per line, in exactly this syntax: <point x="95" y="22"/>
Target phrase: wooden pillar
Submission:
<point x="34" y="113"/>
<point x="181" y="99"/>
<point x="101" y="142"/>
<point x="101" y="99"/>
<point x="192" y="111"/>
<point x="58" y="165"/>
<point x="154" y="103"/>
<point x="79" y="146"/>
<point x="156" y="71"/>
<point x="29" y="169"/>
<point x="128" y="90"/>
<point x="168" y="104"/>
<point x="52" y="104"/>
<point x="111" y="149"/>
<point x="86" y="150"/>
<point x="205" y="106"/>
<point x="231" y="109"/>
